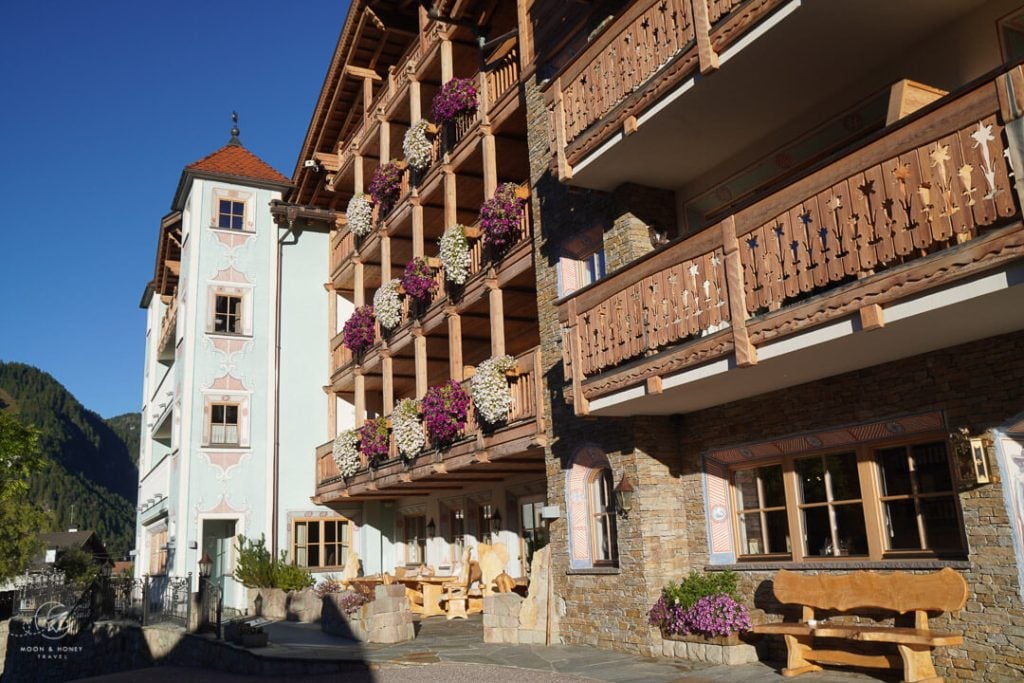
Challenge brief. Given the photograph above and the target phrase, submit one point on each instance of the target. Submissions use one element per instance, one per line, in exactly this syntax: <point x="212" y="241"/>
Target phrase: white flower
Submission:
<point x="387" y="305"/>
<point x="360" y="215"/>
<point x="346" y="452"/>
<point x="407" y="428"/>
<point x="454" y="249"/>
<point x="416" y="145"/>
<point x="489" y="388"/>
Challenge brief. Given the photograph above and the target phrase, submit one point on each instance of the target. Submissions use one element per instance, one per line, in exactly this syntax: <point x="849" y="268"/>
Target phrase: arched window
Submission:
<point x="601" y="509"/>
<point x="590" y="501"/>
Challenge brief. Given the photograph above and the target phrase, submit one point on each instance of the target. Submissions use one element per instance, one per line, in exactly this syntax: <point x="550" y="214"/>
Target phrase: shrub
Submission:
<point x="418" y="280"/>
<point x="445" y="409"/>
<point x="256" y="568"/>
<point x="697" y="586"/>
<point x="704" y="604"/>
<point x="327" y="585"/>
<point x="350" y="602"/>
<point x="359" y="333"/>
<point x="289" y="577"/>
<point x="457" y="96"/>
<point x="78" y="566"/>
<point x="500" y="217"/>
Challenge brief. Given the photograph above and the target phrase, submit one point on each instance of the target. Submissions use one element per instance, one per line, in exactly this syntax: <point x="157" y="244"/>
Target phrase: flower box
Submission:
<point x="522" y="192"/>
<point x="473" y="233"/>
<point x="253" y="640"/>
<point x="731" y="649"/>
<point x="432" y="128"/>
<point x="434" y="262"/>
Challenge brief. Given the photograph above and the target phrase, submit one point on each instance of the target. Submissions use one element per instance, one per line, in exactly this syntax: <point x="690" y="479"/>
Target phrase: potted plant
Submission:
<point x="359" y="215"/>
<point x="500" y="217"/>
<point x="457" y="96"/>
<point x="445" y="410"/>
<point x="417" y="146"/>
<point x="418" y="280"/>
<point x="346" y="452"/>
<point x="454" y="252"/>
<point x="358" y="332"/>
<point x="702" y="613"/>
<point x="249" y="636"/>
<point x="374" y="441"/>
<point x="386" y="186"/>
<point x="490" y="390"/>
<point x="387" y="305"/>
<point x="407" y="428"/>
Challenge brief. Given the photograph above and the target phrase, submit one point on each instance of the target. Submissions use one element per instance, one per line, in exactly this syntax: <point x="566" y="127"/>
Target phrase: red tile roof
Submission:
<point x="236" y="160"/>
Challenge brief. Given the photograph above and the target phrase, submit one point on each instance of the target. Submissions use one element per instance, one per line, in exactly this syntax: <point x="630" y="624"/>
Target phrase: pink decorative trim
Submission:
<point x="225" y="460"/>
<point x="718" y="507"/>
<point x="232" y="240"/>
<point x="229" y="274"/>
<point x="228" y="383"/>
<point x="585" y="461"/>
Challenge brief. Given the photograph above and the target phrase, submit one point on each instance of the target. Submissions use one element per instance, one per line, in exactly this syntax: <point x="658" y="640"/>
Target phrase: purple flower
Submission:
<point x="359" y="333"/>
<point x="457" y="96"/>
<point x="717" y="615"/>
<point x="386" y="187"/>
<point x="374" y="441"/>
<point x="445" y="409"/>
<point x="500" y="217"/>
<point x="418" y="280"/>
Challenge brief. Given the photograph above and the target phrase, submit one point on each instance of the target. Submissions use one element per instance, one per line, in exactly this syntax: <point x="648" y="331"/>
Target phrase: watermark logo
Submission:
<point x="53" y="620"/>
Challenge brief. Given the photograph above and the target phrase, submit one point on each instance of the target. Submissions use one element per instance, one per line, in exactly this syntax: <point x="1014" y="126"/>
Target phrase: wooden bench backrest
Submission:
<point x="941" y="591"/>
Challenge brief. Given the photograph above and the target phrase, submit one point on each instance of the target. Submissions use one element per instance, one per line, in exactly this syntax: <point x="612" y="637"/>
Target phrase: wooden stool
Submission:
<point x="457" y="608"/>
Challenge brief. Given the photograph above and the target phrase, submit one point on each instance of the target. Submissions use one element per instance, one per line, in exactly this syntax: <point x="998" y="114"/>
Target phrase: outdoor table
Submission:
<point x="432" y="588"/>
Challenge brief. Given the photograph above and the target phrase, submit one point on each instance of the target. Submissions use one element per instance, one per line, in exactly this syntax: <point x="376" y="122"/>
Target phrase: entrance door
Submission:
<point x="219" y="544"/>
<point x="533" y="530"/>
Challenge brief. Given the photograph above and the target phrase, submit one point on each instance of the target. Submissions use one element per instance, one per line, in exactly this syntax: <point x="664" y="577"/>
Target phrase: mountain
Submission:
<point x="90" y="478"/>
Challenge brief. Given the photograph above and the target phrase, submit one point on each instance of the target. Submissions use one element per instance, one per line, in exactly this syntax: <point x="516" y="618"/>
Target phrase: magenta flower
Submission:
<point x="457" y="96"/>
<point x="386" y="187"/>
<point x="500" y="217"/>
<point x="418" y="280"/>
<point x="374" y="441"/>
<point x="445" y="410"/>
<point x="359" y="333"/>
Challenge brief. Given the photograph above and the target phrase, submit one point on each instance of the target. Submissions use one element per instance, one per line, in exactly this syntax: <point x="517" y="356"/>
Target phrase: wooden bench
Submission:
<point x="865" y="591"/>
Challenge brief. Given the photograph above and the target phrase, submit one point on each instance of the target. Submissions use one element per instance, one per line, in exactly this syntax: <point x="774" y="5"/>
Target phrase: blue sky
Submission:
<point x="101" y="106"/>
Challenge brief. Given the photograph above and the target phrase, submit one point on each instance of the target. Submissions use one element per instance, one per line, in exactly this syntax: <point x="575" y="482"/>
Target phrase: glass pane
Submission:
<point x="812" y="480"/>
<point x="217" y="412"/>
<point x="746" y="489"/>
<point x="314" y="554"/>
<point x="234" y="303"/>
<point x="301" y="558"/>
<point x="330" y="529"/>
<point x="895" y="471"/>
<point x="750" y="534"/>
<point x="842" y="470"/>
<point x="343" y="558"/>
<point x="527" y="516"/>
<point x="850" y="530"/>
<point x="225" y="206"/>
<point x="817" y="532"/>
<point x="300" y="533"/>
<point x="602" y="531"/>
<point x="771" y="486"/>
<point x="314" y="533"/>
<point x="941" y="525"/>
<point x="330" y="555"/>
<point x="778" y="531"/>
<point x="222" y="304"/>
<point x="220" y="323"/>
<point x="344" y="532"/>
<point x="931" y="468"/>
<point x="236" y="223"/>
<point x="230" y="434"/>
<point x="231" y="413"/>
<point x="901" y="518"/>
<point x="217" y="434"/>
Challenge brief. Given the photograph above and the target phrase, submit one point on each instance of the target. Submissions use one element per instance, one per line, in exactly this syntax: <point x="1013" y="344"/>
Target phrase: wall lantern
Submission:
<point x="205" y="566"/>
<point x="495" y="522"/>
<point x="431" y="528"/>
<point x="971" y="454"/>
<point x="624" y="496"/>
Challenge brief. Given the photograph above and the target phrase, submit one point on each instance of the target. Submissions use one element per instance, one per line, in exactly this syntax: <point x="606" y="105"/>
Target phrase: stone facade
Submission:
<point x="977" y="385"/>
<point x="387" y="619"/>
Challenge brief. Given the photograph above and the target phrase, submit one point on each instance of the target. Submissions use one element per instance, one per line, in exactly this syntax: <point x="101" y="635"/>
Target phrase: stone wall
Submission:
<point x="388" y="619"/>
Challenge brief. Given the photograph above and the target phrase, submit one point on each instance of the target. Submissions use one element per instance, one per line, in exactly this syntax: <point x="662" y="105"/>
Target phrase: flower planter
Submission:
<point x="473" y="233"/>
<point x="252" y="640"/>
<point x="434" y="262"/>
<point x="522" y="192"/>
<point x="731" y="649"/>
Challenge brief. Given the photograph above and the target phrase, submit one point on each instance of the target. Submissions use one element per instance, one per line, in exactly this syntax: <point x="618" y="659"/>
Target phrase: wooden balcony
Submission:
<point x="479" y="455"/>
<point x="652" y="47"/>
<point x="921" y="205"/>
<point x="168" y="326"/>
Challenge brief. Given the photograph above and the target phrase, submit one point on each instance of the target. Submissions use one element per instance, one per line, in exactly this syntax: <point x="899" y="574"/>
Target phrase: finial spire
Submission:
<point x="234" y="130"/>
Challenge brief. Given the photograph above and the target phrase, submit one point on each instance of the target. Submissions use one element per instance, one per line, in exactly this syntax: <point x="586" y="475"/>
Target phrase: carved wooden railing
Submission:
<point x="503" y="75"/>
<point x="342" y="247"/>
<point x="169" y="321"/>
<point x="924" y="186"/>
<point x="340" y="354"/>
<point x="651" y="47"/>
<point x="525" y="386"/>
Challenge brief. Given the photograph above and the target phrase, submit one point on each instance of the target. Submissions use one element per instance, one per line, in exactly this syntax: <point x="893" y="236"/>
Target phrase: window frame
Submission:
<point x="231" y="215"/>
<point x="598" y="477"/>
<point x="225" y="424"/>
<point x="871" y="501"/>
<point x="238" y="317"/>
<point x="321" y="544"/>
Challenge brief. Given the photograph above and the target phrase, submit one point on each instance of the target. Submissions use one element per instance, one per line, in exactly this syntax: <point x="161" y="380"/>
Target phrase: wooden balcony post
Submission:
<point x="581" y="406"/>
<point x="451" y="208"/>
<point x="706" y="54"/>
<point x="332" y="413"/>
<point x="359" y="293"/>
<point x="746" y="354"/>
<point x="564" y="169"/>
<point x="357" y="173"/>
<point x="447" y="62"/>
<point x="420" y="351"/>
<point x="385" y="258"/>
<point x="484" y="98"/>
<point x="454" y="344"/>
<point x="490" y="162"/>
<point x="417" y="227"/>
<point x="388" y="380"/>
<point x="385" y="138"/>
<point x="415" y="108"/>
<point x="497" y="306"/>
<point x="360" y="381"/>
<point x="367" y="97"/>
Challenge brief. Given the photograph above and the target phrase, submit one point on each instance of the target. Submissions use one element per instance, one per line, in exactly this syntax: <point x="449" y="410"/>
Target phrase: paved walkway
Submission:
<point x="454" y="651"/>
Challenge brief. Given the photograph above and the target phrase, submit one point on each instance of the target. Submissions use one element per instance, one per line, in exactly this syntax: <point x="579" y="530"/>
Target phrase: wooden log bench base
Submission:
<point x="866" y="591"/>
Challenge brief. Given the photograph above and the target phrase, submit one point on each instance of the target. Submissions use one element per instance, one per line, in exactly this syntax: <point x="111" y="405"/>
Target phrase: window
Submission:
<point x="534" y="532"/>
<point x="158" y="552"/>
<point x="230" y="214"/>
<point x="582" y="262"/>
<point x="227" y="314"/>
<point x="870" y="501"/>
<point x="457" y="518"/>
<point x="321" y="542"/>
<point x="602" y="518"/>
<point x="224" y="424"/>
<point x="415" y="540"/>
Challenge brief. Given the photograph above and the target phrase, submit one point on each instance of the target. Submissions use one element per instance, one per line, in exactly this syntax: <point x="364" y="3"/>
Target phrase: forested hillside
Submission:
<point x="90" y="478"/>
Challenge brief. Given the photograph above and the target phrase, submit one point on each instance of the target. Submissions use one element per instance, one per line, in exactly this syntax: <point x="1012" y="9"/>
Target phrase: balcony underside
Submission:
<point x="512" y="450"/>
<point x="984" y="304"/>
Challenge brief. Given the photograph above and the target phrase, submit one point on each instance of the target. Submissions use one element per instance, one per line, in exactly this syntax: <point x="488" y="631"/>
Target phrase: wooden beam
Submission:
<point x="417" y="230"/>
<point x="388" y="388"/>
<point x="420" y="350"/>
<point x="746" y="354"/>
<point x="360" y="72"/>
<point x="490" y="164"/>
<point x="706" y="54"/>
<point x="360" y="391"/>
<point x="872" y="317"/>
<point x="446" y="60"/>
<point x="454" y="344"/>
<point x="497" y="307"/>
